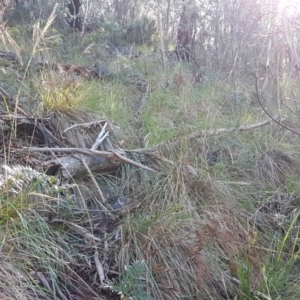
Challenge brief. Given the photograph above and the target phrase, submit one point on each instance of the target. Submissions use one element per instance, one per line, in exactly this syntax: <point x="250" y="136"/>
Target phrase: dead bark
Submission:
<point x="3" y="5"/>
<point x="161" y="34"/>
<point x="71" y="166"/>
<point x="186" y="30"/>
<point x="100" y="161"/>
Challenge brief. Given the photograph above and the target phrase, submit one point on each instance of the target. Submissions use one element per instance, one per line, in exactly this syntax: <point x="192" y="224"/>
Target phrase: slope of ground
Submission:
<point x="193" y="195"/>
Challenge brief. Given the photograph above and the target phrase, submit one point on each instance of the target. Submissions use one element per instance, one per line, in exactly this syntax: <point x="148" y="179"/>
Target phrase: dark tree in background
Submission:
<point x="3" y="5"/>
<point x="186" y="31"/>
<point x="74" y="19"/>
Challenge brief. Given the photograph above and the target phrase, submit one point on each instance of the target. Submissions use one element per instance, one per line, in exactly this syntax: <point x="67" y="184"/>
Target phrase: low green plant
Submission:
<point x="244" y="274"/>
<point x="60" y="96"/>
<point x="138" y="32"/>
<point x="132" y="284"/>
<point x="278" y="272"/>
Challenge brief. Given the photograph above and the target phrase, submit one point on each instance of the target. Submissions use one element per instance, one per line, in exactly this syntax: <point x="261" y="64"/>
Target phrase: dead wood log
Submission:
<point x="71" y="166"/>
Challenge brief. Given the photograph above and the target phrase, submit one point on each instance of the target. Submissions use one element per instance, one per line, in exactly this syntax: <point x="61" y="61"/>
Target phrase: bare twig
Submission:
<point x="105" y="154"/>
<point x="223" y="130"/>
<point x="101" y="137"/>
<point x="78" y="229"/>
<point x="268" y="114"/>
<point x="21" y="117"/>
<point x="203" y="133"/>
<point x="87" y="287"/>
<point x="99" y="267"/>
<point x="131" y="162"/>
<point x="211" y="132"/>
<point x="84" y="125"/>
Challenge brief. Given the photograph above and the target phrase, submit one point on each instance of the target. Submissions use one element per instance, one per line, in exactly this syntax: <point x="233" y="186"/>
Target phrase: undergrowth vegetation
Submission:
<point x="218" y="220"/>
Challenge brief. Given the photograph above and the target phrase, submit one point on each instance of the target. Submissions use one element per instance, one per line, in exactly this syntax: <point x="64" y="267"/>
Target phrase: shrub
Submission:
<point x="138" y="32"/>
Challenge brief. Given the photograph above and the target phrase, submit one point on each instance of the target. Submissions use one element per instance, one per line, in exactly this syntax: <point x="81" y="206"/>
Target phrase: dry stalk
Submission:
<point x="84" y="125"/>
<point x="101" y="137"/>
<point x="99" y="267"/>
<point x="95" y="184"/>
<point x="78" y="229"/>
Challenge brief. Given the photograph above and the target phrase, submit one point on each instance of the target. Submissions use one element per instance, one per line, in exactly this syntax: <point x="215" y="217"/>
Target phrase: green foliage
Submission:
<point x="156" y="129"/>
<point x="140" y="32"/>
<point x="137" y="33"/>
<point x="281" y="267"/>
<point x="133" y="283"/>
<point x="244" y="274"/>
<point x="111" y="33"/>
<point x="107" y="99"/>
<point x="60" y="96"/>
<point x="14" y="32"/>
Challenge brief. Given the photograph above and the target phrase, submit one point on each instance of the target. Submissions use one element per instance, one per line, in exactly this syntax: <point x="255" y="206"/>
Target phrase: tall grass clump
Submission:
<point x="60" y="95"/>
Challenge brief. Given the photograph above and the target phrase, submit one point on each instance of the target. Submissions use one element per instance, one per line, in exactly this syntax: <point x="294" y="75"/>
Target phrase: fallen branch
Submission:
<point x="203" y="133"/>
<point x="9" y="117"/>
<point x="154" y="152"/>
<point x="71" y="166"/>
<point x="95" y="160"/>
<point x="101" y="137"/>
<point x="131" y="162"/>
<point x="276" y="119"/>
<point x="104" y="154"/>
<point x="85" y="125"/>
<point x="212" y="132"/>
<point x="78" y="229"/>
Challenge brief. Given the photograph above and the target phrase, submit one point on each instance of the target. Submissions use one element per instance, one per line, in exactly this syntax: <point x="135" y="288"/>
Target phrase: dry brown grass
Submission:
<point x="16" y="284"/>
<point x="274" y="166"/>
<point x="192" y="248"/>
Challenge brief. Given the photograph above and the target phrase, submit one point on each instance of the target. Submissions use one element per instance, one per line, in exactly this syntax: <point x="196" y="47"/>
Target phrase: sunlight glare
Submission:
<point x="291" y="5"/>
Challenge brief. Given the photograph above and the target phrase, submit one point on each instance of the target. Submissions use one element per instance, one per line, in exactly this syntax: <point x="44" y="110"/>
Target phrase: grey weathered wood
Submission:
<point x="72" y="166"/>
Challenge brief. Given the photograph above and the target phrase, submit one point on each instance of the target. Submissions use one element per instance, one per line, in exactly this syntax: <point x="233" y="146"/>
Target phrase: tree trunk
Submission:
<point x="74" y="20"/>
<point x="161" y="34"/>
<point x="186" y="29"/>
<point x="2" y="8"/>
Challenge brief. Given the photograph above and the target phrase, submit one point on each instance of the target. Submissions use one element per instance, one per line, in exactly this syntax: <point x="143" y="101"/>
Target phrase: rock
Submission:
<point x="101" y="71"/>
<point x="117" y="203"/>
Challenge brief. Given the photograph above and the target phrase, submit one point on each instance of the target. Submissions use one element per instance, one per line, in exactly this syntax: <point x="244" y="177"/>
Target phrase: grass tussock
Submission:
<point x="60" y="95"/>
<point x="275" y="166"/>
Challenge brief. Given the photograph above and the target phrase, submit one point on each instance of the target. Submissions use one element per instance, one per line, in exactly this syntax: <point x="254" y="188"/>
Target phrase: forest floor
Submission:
<point x="193" y="191"/>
